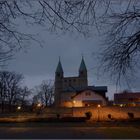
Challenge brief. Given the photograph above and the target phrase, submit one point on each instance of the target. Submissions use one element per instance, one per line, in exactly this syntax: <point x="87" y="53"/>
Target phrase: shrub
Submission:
<point x="58" y="116"/>
<point x="73" y="119"/>
<point x="109" y="116"/>
<point x="130" y="115"/>
<point x="88" y="115"/>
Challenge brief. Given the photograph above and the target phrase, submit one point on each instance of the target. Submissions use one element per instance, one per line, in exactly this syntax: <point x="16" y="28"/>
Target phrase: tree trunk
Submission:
<point x="2" y="107"/>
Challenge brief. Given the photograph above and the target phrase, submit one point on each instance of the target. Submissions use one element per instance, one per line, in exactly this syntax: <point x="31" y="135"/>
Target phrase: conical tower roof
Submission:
<point x="82" y="65"/>
<point x="59" y="68"/>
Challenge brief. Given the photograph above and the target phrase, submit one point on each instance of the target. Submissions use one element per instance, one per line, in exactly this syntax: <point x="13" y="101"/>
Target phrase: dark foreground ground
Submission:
<point x="97" y="130"/>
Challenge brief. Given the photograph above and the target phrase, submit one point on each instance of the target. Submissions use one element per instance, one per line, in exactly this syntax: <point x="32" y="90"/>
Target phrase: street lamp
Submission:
<point x="121" y="105"/>
<point x="19" y="107"/>
<point x="39" y="105"/>
<point x="73" y="104"/>
<point x="98" y="106"/>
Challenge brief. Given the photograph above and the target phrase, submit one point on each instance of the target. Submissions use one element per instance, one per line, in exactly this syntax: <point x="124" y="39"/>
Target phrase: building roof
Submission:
<point x="78" y="90"/>
<point x="59" y="68"/>
<point x="94" y="88"/>
<point x="92" y="101"/>
<point x="82" y="65"/>
<point x="127" y="95"/>
<point x="98" y="88"/>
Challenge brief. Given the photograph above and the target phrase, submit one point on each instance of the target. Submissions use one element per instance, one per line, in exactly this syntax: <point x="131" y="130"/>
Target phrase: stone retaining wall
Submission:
<point x="97" y="113"/>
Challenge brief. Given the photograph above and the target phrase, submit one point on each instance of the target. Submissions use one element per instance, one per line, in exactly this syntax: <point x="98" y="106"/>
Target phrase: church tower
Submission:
<point x="83" y="74"/>
<point x="59" y="75"/>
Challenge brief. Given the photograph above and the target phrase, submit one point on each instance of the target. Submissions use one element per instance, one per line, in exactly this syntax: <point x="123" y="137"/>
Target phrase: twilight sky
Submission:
<point x="37" y="64"/>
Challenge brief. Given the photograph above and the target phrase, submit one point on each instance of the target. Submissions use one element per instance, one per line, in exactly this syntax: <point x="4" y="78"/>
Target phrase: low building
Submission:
<point x="127" y="99"/>
<point x="86" y="96"/>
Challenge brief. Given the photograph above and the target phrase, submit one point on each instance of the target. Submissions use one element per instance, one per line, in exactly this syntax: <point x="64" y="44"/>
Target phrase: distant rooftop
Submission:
<point x="127" y="95"/>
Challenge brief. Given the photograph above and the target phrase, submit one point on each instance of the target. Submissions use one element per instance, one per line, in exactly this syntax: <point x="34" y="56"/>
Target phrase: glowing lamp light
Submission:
<point x="74" y="101"/>
<point x="121" y="105"/>
<point x="133" y="104"/>
<point x="98" y="105"/>
<point x="19" y="107"/>
<point x="39" y="105"/>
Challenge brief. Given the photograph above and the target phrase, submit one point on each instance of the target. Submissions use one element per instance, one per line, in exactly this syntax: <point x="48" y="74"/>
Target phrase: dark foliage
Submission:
<point x="130" y="115"/>
<point x="88" y="115"/>
<point x="109" y="116"/>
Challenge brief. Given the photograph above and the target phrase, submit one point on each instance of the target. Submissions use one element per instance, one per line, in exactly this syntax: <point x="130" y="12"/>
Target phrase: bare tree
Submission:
<point x="45" y="93"/>
<point x="122" y="53"/>
<point x="9" y="88"/>
<point x="22" y="97"/>
<point x="36" y="99"/>
<point x="123" y="32"/>
<point x="120" y="19"/>
<point x="56" y="15"/>
<point x="12" y="15"/>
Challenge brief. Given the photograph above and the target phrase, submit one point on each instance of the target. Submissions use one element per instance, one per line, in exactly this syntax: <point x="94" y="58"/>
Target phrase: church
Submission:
<point x="75" y="92"/>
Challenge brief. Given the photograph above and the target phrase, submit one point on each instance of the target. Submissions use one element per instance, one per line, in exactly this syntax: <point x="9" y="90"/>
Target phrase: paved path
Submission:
<point x="66" y="131"/>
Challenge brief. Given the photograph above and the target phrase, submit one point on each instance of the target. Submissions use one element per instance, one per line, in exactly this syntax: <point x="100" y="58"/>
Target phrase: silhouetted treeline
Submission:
<point x="44" y="93"/>
<point x="11" y="91"/>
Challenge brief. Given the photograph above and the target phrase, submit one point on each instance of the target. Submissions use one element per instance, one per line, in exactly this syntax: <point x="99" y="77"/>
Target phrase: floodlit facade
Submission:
<point x="85" y="97"/>
<point x="75" y="92"/>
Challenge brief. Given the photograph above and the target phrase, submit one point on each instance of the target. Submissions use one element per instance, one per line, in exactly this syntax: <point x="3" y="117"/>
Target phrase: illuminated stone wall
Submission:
<point x="103" y="112"/>
<point x="97" y="113"/>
